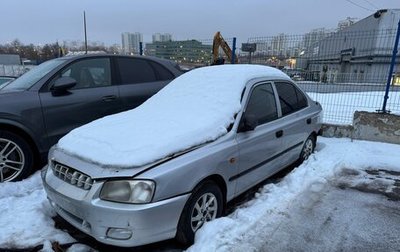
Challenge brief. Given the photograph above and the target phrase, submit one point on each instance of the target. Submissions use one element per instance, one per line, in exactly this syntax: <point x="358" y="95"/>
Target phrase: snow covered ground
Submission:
<point x="25" y="219"/>
<point x="338" y="108"/>
<point x="345" y="197"/>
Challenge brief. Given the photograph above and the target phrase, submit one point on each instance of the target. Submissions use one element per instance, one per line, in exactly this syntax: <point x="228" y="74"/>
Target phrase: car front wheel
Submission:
<point x="16" y="157"/>
<point x="204" y="205"/>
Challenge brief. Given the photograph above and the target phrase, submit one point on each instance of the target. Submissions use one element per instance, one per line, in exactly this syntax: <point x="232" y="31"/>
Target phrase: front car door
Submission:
<point x="94" y="96"/>
<point x="259" y="149"/>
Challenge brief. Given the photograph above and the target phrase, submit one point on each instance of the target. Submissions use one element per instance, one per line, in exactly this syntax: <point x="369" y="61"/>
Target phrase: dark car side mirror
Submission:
<point x="250" y="122"/>
<point x="62" y="84"/>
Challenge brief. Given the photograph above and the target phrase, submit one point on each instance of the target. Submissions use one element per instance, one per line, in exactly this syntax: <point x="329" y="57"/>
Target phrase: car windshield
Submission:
<point x="28" y="79"/>
<point x="2" y="84"/>
<point x="5" y="79"/>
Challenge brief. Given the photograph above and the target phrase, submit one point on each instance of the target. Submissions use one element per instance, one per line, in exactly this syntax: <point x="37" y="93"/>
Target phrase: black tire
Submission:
<point x="308" y="148"/>
<point x="22" y="153"/>
<point x="185" y="233"/>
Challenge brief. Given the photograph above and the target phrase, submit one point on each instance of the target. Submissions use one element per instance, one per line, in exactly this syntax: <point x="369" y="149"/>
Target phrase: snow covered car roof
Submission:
<point x="195" y="108"/>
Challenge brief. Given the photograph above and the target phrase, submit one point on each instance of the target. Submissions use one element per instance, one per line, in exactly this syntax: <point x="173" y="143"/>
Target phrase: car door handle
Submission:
<point x="109" y="98"/>
<point x="308" y="121"/>
<point x="279" y="133"/>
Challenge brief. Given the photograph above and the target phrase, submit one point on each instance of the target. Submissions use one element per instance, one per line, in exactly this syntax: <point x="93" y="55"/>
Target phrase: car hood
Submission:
<point x="100" y="171"/>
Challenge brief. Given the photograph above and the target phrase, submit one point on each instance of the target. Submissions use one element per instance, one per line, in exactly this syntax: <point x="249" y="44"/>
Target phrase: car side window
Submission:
<point x="262" y="104"/>
<point x="162" y="72"/>
<point x="290" y="98"/>
<point x="135" y="71"/>
<point x="88" y="73"/>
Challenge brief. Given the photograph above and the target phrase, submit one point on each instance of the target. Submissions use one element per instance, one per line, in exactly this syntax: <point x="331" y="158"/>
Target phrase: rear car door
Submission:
<point x="94" y="96"/>
<point x="139" y="79"/>
<point x="295" y="121"/>
<point x="259" y="149"/>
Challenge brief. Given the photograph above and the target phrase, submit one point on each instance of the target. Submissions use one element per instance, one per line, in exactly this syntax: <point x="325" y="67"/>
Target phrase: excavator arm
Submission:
<point x="218" y="42"/>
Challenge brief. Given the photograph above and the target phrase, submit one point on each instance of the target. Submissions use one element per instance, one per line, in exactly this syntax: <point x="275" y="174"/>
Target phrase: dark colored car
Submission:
<point x="59" y="95"/>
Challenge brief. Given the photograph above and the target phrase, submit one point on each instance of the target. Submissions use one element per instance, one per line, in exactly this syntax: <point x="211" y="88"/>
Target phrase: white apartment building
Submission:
<point x="131" y="42"/>
<point x="165" y="37"/>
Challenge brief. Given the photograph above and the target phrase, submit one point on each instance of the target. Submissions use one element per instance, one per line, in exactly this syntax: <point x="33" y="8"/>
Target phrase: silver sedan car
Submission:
<point x="159" y="187"/>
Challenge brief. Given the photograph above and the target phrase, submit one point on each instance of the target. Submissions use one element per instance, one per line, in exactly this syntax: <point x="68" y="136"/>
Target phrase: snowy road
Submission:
<point x="345" y="198"/>
<point x="339" y="218"/>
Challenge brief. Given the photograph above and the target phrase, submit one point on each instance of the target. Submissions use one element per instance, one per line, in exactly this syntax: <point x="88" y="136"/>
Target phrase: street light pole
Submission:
<point x="84" y="27"/>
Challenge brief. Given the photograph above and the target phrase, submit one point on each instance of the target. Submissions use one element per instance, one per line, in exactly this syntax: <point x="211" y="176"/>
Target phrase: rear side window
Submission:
<point x="133" y="71"/>
<point x="162" y="72"/>
<point x="262" y="104"/>
<point x="290" y="98"/>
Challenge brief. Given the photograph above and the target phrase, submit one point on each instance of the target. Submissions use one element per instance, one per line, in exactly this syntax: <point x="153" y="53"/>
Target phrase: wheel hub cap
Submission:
<point x="308" y="148"/>
<point x="12" y="160"/>
<point x="205" y="209"/>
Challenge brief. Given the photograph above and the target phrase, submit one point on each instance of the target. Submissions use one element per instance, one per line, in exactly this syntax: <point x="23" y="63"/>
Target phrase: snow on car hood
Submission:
<point x="195" y="108"/>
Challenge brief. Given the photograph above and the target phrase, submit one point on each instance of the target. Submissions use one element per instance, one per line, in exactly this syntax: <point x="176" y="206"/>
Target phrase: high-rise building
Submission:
<point x="131" y="42"/>
<point x="279" y="44"/>
<point x="311" y="39"/>
<point x="165" y="37"/>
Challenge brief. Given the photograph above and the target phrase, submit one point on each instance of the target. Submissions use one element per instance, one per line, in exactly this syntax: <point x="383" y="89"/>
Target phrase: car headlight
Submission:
<point x="128" y="191"/>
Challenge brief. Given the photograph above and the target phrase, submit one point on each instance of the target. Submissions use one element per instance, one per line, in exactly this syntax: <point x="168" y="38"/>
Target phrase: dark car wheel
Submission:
<point x="16" y="157"/>
<point x="308" y="148"/>
<point x="204" y="205"/>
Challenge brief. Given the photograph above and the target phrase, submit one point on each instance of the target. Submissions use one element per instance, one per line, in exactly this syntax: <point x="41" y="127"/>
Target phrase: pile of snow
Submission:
<point x="195" y="108"/>
<point x="26" y="215"/>
<point x="247" y="228"/>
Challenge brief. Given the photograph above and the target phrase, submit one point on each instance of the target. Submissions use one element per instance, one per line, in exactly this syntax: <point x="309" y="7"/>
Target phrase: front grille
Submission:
<point x="72" y="176"/>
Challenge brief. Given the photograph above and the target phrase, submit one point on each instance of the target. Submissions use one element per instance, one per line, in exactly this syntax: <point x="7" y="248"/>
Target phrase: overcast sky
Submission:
<point x="44" y="21"/>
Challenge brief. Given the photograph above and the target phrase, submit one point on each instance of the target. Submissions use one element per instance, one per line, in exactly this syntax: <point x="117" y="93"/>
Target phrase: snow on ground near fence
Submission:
<point x="25" y="219"/>
<point x="338" y="108"/>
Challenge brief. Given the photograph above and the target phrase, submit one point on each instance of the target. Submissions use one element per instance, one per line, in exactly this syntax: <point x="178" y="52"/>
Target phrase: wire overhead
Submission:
<point x="358" y="5"/>
<point x="371" y="4"/>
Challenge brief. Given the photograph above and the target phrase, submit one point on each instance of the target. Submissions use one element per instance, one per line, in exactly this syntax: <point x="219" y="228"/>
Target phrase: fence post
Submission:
<point x="140" y="48"/>
<point x="393" y="62"/>
<point x="233" y="50"/>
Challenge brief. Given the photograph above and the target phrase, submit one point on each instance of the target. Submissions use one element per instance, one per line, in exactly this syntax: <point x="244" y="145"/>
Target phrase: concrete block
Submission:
<point x="331" y="130"/>
<point x="376" y="127"/>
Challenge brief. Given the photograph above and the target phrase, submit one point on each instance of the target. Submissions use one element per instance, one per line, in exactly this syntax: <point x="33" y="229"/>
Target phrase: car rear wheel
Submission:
<point x="16" y="157"/>
<point x="308" y="148"/>
<point x="204" y="205"/>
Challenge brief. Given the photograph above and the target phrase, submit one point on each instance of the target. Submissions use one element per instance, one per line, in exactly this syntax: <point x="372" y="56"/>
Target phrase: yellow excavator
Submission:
<point x="218" y="42"/>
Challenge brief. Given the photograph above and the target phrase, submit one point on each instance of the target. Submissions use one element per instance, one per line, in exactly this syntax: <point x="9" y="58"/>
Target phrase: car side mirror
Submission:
<point x="62" y="84"/>
<point x="250" y="122"/>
